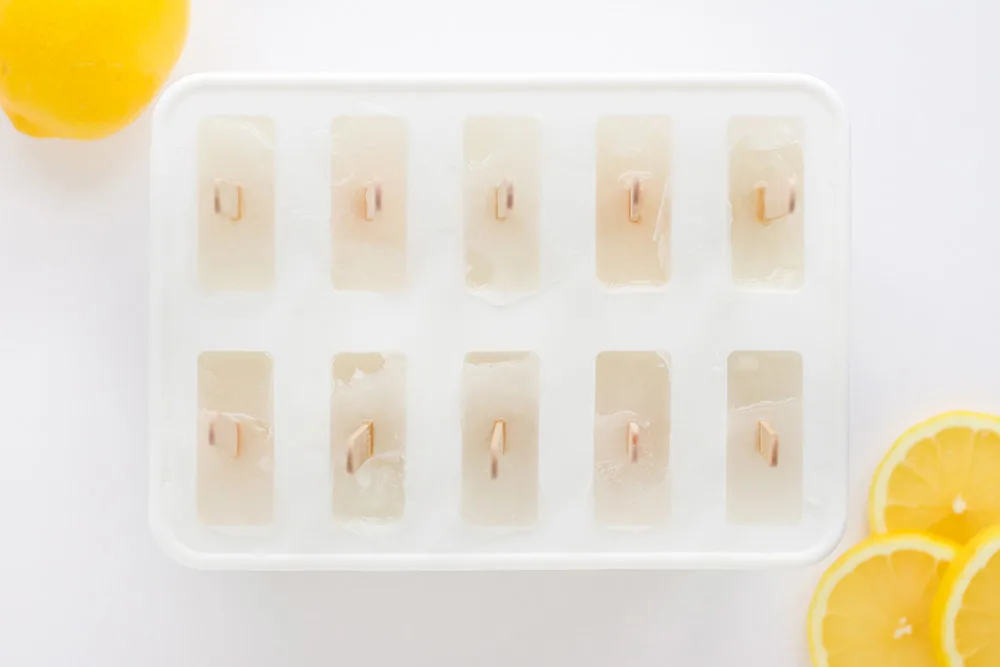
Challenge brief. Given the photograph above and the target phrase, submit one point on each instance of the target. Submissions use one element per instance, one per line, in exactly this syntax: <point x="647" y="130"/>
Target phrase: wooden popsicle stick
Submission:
<point x="760" y="203"/>
<point x="767" y="443"/>
<point x="633" y="442"/>
<point x="225" y="433"/>
<point x="505" y="199"/>
<point x="373" y="200"/>
<point x="635" y="200"/>
<point x="360" y="446"/>
<point x="498" y="446"/>
<point x="228" y="201"/>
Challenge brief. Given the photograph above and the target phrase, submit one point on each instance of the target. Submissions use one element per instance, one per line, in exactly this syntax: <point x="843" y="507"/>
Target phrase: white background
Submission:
<point x="81" y="581"/>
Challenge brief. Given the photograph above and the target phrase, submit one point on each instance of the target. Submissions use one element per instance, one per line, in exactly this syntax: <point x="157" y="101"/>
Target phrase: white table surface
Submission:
<point x="81" y="581"/>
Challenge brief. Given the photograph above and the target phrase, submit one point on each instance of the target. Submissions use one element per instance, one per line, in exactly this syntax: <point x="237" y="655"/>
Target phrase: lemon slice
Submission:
<point x="942" y="477"/>
<point x="965" y="619"/>
<point x="872" y="607"/>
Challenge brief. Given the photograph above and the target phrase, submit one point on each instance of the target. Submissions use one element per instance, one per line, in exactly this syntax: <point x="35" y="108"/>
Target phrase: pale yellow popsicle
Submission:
<point x="631" y="438"/>
<point x="764" y="450"/>
<point x="235" y="484"/>
<point x="236" y="204"/>
<point x="633" y="200"/>
<point x="369" y="202"/>
<point x="502" y="192"/>
<point x="767" y="199"/>
<point x="500" y="438"/>
<point x="368" y="436"/>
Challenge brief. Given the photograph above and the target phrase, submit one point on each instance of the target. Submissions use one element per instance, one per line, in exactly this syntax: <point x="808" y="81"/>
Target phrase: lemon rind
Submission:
<point x="963" y="570"/>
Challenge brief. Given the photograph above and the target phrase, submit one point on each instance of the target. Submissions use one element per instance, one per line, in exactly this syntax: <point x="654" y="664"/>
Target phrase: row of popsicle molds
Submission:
<point x="500" y="438"/>
<point x="502" y="199"/>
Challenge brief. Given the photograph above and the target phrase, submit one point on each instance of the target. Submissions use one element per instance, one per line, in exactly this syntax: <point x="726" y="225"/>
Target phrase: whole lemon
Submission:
<point x="84" y="69"/>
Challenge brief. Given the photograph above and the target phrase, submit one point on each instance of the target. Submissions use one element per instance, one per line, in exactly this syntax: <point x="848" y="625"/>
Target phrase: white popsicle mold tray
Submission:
<point x="696" y="320"/>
